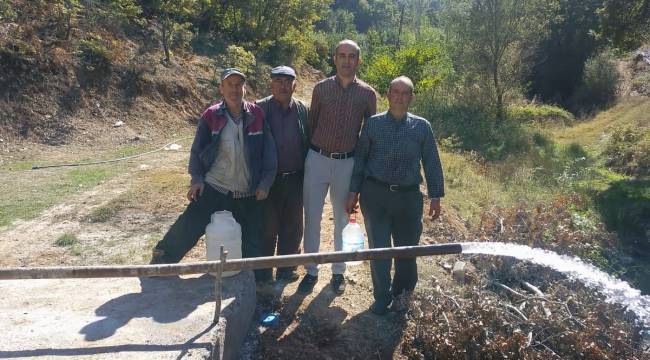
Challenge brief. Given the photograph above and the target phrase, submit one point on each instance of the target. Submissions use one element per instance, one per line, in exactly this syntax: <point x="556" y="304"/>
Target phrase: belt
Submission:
<point x="334" y="155"/>
<point x="287" y="174"/>
<point x="394" y="187"/>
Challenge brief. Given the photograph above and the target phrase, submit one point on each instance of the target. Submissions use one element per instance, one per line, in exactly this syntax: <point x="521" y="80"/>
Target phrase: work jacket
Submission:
<point x="259" y="147"/>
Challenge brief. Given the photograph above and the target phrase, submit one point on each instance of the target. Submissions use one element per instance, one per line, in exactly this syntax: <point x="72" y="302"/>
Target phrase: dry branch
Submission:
<point x="535" y="290"/>
<point x="516" y="311"/>
<point x="509" y="290"/>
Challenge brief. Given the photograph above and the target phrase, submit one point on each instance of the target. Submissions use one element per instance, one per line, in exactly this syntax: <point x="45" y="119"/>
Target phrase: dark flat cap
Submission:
<point x="283" y="71"/>
<point x="231" y="71"/>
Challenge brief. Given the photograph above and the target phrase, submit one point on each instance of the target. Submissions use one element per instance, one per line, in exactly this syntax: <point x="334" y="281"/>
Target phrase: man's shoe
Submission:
<point x="286" y="276"/>
<point x="380" y="307"/>
<point x="402" y="303"/>
<point x="338" y="283"/>
<point x="307" y="284"/>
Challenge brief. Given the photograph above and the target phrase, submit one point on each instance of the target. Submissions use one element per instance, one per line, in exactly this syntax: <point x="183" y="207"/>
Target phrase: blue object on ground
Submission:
<point x="270" y="319"/>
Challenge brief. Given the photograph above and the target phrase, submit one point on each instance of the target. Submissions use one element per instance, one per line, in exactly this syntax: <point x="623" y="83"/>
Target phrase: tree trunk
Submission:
<point x="165" y="39"/>
<point x="401" y="22"/>
<point x="499" y="94"/>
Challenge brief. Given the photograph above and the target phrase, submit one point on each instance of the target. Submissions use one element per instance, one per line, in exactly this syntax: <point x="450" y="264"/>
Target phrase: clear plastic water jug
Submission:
<point x="353" y="238"/>
<point x="223" y="230"/>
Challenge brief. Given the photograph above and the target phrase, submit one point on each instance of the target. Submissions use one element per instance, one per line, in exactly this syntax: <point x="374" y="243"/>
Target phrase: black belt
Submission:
<point x="337" y="156"/>
<point x="394" y="187"/>
<point x="284" y="175"/>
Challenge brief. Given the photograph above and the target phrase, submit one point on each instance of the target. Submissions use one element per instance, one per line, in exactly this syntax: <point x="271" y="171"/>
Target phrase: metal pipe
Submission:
<point x="229" y="265"/>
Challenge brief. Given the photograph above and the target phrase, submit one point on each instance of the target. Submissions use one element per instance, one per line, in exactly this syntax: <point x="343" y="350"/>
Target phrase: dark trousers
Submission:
<point x="283" y="221"/>
<point x="387" y="213"/>
<point x="190" y="226"/>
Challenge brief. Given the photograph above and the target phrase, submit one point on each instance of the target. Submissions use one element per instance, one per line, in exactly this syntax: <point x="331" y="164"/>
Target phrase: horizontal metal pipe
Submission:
<point x="230" y="265"/>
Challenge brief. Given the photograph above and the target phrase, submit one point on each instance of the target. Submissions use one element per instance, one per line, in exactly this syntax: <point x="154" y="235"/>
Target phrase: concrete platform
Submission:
<point x="122" y="318"/>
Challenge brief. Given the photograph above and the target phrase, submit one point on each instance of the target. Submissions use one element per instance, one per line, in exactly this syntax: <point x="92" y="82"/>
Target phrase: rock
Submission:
<point x="144" y="167"/>
<point x="459" y="272"/>
<point x="118" y="123"/>
<point x="173" y="147"/>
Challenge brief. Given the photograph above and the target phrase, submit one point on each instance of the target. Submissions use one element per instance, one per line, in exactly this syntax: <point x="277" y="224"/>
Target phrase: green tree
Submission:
<point x="492" y="38"/>
<point x="625" y="23"/>
<point x="65" y="13"/>
<point x="268" y="27"/>
<point x="381" y="71"/>
<point x="426" y="63"/>
<point x="579" y="30"/>
<point x="173" y="18"/>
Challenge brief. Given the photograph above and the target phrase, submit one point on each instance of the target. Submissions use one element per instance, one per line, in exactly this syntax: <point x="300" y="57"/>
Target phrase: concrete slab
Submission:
<point x="236" y="316"/>
<point x="124" y="318"/>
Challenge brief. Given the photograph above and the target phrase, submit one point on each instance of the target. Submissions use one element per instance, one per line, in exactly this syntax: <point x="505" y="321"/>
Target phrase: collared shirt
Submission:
<point x="391" y="150"/>
<point x="286" y="133"/>
<point x="337" y="113"/>
<point x="229" y="171"/>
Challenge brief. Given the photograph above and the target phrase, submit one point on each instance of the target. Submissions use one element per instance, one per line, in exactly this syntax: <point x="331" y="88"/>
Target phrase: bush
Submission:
<point x="428" y="65"/>
<point x="7" y="12"/>
<point x="473" y="127"/>
<point x="539" y="114"/>
<point x="239" y="58"/>
<point x="628" y="151"/>
<point x="181" y="36"/>
<point x="625" y="208"/>
<point x="95" y="55"/>
<point x="116" y="15"/>
<point x="381" y="71"/>
<point x="319" y="58"/>
<point x="599" y="82"/>
<point x="641" y="84"/>
<point x="66" y="240"/>
<point x="293" y="48"/>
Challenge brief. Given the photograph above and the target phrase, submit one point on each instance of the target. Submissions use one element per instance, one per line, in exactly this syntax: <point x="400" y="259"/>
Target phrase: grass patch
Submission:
<point x="104" y="213"/>
<point x="23" y="195"/>
<point x="631" y="111"/>
<point x="540" y="114"/>
<point x="158" y="191"/>
<point x="17" y="166"/>
<point x="129" y="150"/>
<point x="474" y="187"/>
<point x="66" y="240"/>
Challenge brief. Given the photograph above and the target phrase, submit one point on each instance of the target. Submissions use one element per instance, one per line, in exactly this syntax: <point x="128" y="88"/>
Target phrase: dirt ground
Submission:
<point x="142" y="200"/>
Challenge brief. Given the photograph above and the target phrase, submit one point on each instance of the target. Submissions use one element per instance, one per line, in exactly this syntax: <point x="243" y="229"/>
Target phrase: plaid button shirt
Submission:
<point x="391" y="151"/>
<point x="336" y="113"/>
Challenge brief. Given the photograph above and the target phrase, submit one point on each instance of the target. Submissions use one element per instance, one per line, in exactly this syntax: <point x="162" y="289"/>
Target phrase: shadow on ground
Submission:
<point x="163" y="299"/>
<point x="324" y="333"/>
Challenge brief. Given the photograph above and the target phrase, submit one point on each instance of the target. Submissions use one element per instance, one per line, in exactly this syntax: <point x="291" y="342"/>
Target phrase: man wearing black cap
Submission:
<point x="287" y="119"/>
<point x="232" y="164"/>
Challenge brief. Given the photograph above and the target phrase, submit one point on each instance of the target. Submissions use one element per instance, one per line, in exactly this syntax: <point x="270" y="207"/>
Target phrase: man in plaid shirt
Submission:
<point x="386" y="181"/>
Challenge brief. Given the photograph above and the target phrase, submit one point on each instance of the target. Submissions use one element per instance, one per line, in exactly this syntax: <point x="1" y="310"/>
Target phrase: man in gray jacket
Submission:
<point x="232" y="164"/>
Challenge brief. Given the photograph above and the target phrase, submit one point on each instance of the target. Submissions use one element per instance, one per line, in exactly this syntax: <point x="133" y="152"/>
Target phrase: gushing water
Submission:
<point x="615" y="290"/>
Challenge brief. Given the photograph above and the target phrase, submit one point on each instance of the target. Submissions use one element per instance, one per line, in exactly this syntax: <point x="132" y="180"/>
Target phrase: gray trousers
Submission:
<point x="323" y="174"/>
<point x="387" y="213"/>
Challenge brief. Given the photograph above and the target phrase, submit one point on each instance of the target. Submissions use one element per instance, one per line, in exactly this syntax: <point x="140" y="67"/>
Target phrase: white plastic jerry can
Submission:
<point x="353" y="238"/>
<point x="223" y="230"/>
